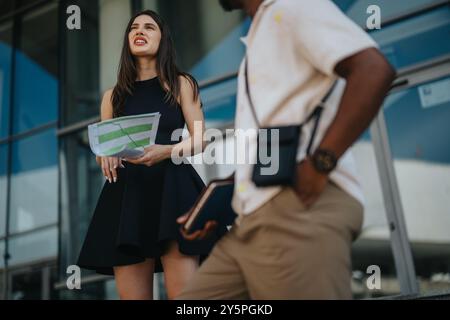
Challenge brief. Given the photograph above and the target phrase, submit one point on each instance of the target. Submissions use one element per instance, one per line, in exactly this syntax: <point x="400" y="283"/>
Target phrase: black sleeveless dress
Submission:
<point x="135" y="217"/>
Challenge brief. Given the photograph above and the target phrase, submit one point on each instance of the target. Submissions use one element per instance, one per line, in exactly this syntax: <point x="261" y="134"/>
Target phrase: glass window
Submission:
<point x="9" y="6"/>
<point x="5" y="76"/>
<point x="357" y="9"/>
<point x="417" y="122"/>
<point x="373" y="247"/>
<point x="81" y="87"/>
<point x="6" y="7"/>
<point x="2" y="260"/>
<point x="3" y="186"/>
<point x="33" y="282"/>
<point x="34" y="182"/>
<point x="81" y="183"/>
<point x="26" y="285"/>
<point x="24" y="3"/>
<point x="2" y="267"/>
<point x="36" y="83"/>
<point x="35" y="246"/>
<point x="102" y="290"/>
<point x="113" y="19"/>
<point x="219" y="103"/>
<point x="399" y="41"/>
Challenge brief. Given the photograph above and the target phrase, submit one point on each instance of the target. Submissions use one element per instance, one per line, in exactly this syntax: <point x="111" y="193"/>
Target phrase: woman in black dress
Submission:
<point x="133" y="232"/>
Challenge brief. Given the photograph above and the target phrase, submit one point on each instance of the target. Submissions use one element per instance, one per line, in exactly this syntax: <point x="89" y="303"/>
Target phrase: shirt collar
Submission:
<point x="267" y="3"/>
<point x="264" y="5"/>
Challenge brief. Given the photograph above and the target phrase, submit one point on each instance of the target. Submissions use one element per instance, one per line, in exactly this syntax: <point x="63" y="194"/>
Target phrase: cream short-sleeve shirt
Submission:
<point x="293" y="47"/>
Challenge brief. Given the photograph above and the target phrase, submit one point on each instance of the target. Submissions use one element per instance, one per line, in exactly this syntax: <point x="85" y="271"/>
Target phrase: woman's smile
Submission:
<point x="140" y="41"/>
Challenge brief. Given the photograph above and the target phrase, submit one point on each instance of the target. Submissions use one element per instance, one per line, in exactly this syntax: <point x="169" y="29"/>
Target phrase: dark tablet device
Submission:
<point x="214" y="203"/>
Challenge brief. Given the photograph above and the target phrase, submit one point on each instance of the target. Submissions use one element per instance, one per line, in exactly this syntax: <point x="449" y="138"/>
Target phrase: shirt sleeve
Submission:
<point x="323" y="34"/>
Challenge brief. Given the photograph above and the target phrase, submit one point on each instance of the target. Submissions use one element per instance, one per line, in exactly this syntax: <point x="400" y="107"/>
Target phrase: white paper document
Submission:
<point x="123" y="137"/>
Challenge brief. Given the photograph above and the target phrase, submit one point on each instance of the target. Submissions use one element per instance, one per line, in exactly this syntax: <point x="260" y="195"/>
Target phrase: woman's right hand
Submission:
<point x="109" y="167"/>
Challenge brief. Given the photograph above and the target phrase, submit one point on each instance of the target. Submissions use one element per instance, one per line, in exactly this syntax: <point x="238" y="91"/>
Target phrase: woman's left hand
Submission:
<point x="153" y="154"/>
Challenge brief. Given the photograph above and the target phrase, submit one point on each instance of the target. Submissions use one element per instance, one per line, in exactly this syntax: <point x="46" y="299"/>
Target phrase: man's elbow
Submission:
<point x="385" y="71"/>
<point x="369" y="63"/>
<point x="378" y="67"/>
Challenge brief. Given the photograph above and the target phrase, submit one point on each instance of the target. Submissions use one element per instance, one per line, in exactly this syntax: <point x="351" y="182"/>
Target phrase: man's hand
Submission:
<point x="309" y="183"/>
<point x="199" y="234"/>
<point x="153" y="154"/>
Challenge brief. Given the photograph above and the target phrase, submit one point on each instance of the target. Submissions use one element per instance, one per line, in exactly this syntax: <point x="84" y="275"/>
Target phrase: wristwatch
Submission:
<point x="324" y="161"/>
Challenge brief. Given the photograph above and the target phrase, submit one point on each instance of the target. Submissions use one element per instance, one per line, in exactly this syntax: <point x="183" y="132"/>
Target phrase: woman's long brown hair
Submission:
<point x="166" y="67"/>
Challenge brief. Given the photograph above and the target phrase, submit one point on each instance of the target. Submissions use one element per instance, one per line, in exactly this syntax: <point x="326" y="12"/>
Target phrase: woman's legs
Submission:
<point x="178" y="269"/>
<point x="135" y="282"/>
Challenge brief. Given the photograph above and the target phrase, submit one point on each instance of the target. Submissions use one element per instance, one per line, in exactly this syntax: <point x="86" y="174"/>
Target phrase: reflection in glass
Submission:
<point x="36" y="83"/>
<point x="2" y="288"/>
<point x="373" y="246"/>
<point x="34" y="182"/>
<point x="102" y="290"/>
<point x="417" y="122"/>
<point x="34" y="246"/>
<point x="32" y="282"/>
<point x="3" y="187"/>
<point x="27" y="285"/>
<point x="5" y="76"/>
<point x="2" y="260"/>
<point x="219" y="103"/>
<point x="81" y="86"/>
<point x="399" y="42"/>
<point x="81" y="182"/>
<point x="357" y="9"/>
<point x="6" y="7"/>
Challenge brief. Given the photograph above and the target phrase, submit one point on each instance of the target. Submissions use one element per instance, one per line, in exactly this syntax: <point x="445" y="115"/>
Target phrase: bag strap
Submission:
<point x="249" y="96"/>
<point x="316" y="114"/>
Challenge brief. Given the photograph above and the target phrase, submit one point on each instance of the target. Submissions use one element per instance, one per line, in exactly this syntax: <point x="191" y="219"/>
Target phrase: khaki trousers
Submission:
<point x="284" y="251"/>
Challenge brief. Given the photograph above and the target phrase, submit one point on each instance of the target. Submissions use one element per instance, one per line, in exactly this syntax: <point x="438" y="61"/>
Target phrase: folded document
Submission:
<point x="123" y="137"/>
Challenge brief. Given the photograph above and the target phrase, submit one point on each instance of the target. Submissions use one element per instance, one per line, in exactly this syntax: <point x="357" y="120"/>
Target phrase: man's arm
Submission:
<point x="369" y="77"/>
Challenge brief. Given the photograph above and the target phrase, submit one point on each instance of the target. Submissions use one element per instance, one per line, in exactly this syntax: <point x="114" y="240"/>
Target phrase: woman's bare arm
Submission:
<point x="193" y="115"/>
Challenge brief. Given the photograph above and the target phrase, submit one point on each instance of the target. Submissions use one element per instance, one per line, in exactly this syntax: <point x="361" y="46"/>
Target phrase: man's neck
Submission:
<point x="251" y="6"/>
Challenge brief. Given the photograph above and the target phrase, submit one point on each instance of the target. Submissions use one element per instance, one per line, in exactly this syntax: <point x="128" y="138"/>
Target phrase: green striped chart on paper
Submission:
<point x="123" y="137"/>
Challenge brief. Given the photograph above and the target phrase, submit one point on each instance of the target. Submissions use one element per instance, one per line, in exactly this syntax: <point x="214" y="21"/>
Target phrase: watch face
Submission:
<point x="324" y="161"/>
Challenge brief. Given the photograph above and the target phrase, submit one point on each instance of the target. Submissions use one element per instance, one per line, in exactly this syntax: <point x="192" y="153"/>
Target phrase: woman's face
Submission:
<point x="144" y="36"/>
